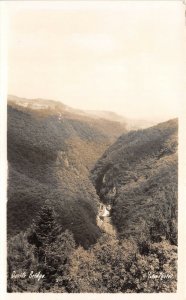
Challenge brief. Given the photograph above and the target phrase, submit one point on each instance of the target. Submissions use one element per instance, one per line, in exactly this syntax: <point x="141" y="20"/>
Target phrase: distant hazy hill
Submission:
<point x="51" y="148"/>
<point x="108" y="115"/>
<point x="138" y="176"/>
<point x="110" y="127"/>
<point x="130" y="124"/>
<point x="43" y="106"/>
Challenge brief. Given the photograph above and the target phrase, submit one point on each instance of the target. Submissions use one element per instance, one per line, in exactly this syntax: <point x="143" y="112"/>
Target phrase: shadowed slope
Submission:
<point x="138" y="176"/>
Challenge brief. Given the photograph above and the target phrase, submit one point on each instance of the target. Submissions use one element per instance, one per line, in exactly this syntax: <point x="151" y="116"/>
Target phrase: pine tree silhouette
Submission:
<point x="44" y="230"/>
<point x="52" y="246"/>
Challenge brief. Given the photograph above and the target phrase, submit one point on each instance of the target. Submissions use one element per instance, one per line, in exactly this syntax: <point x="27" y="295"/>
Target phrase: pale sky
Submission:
<point x="124" y="56"/>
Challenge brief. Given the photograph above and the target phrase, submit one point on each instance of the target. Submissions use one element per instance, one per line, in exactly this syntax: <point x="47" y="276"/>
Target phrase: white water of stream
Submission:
<point x="104" y="219"/>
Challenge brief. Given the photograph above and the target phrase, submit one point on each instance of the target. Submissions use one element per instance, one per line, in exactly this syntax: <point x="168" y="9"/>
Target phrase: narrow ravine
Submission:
<point x="104" y="219"/>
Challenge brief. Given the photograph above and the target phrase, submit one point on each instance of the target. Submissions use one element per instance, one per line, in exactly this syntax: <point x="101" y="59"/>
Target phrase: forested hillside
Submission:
<point x="62" y="165"/>
<point x="91" y="206"/>
<point x="51" y="149"/>
<point x="137" y="175"/>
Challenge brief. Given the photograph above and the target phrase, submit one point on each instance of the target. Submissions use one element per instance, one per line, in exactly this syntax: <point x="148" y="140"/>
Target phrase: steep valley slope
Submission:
<point x="137" y="176"/>
<point x="51" y="149"/>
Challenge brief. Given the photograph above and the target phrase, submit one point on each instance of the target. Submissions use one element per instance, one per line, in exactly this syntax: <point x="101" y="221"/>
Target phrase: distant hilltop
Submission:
<point x="59" y="107"/>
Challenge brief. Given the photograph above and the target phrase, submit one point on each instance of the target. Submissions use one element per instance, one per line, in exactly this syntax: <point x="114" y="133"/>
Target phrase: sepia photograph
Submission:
<point x="94" y="95"/>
